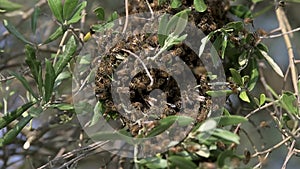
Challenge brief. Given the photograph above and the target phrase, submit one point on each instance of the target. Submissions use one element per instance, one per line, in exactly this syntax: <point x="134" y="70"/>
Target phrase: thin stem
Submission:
<point x="145" y="67"/>
<point x="126" y="17"/>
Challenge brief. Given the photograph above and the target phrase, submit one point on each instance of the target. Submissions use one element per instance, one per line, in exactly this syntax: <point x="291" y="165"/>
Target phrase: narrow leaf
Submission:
<point x="181" y="162"/>
<point x="66" y="56"/>
<point x="224" y="45"/>
<point x="77" y="14"/>
<point x="34" y="18"/>
<point x="226" y="135"/>
<point x="58" y="32"/>
<point x="7" y="6"/>
<point x="254" y="75"/>
<point x="25" y="83"/>
<point x="57" y="9"/>
<point x="273" y="64"/>
<point x="34" y="65"/>
<point x="167" y="122"/>
<point x="12" y="134"/>
<point x="35" y="111"/>
<point x="204" y="41"/>
<point x="11" y="116"/>
<point x="200" y="6"/>
<point x="11" y="29"/>
<point x="69" y="8"/>
<point x="230" y="120"/>
<point x="49" y="81"/>
<point x="98" y="111"/>
<point x="218" y="93"/>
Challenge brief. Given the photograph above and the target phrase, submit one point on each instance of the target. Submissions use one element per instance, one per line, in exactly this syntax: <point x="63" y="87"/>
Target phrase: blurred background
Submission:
<point x="12" y="58"/>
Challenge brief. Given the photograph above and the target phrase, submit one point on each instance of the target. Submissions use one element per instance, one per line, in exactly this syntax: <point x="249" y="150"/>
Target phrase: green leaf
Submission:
<point x="262" y="47"/>
<point x="244" y="96"/>
<point x="35" y="111"/>
<point x="256" y="1"/>
<point x="273" y="64"/>
<point x="7" y="6"/>
<point x="178" y="22"/>
<point x="34" y="65"/>
<point x="58" y="32"/>
<point x="62" y="76"/>
<point x="12" y="134"/>
<point x="102" y="27"/>
<point x="98" y="111"/>
<point x="175" y="4"/>
<point x="218" y="93"/>
<point x="112" y="17"/>
<point x="100" y="13"/>
<point x="66" y="56"/>
<point x="154" y="162"/>
<point x="224" y="45"/>
<point x="181" y="162"/>
<point x="63" y="106"/>
<point x="162" y="30"/>
<point x="236" y="26"/>
<point x="200" y="6"/>
<point x="11" y="29"/>
<point x="25" y="83"/>
<point x="230" y="120"/>
<point x="236" y="77"/>
<point x="11" y="116"/>
<point x="57" y="9"/>
<point x="208" y="125"/>
<point x="204" y="41"/>
<point x="107" y="135"/>
<point x="49" y="81"/>
<point x="167" y="122"/>
<point x="34" y="18"/>
<point x="226" y="135"/>
<point x="289" y="102"/>
<point x="241" y="11"/>
<point x="262" y="99"/>
<point x="68" y="8"/>
<point x="77" y="14"/>
<point x="243" y="59"/>
<point x="254" y="75"/>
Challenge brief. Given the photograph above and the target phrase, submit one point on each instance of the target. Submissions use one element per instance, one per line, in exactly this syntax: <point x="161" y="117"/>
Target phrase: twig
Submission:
<point x="60" y="46"/>
<point x="253" y="112"/>
<point x="276" y="146"/>
<point x="151" y="11"/>
<point x="145" y="67"/>
<point x="285" y="27"/>
<point x="75" y="153"/>
<point x="289" y="155"/>
<point x="126" y="17"/>
<point x="280" y="34"/>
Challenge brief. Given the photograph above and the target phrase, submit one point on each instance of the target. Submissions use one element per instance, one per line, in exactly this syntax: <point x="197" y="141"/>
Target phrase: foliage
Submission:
<point x="213" y="141"/>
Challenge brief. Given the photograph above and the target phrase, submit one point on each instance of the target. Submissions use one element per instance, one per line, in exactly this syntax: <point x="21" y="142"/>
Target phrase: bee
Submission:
<point x="88" y="35"/>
